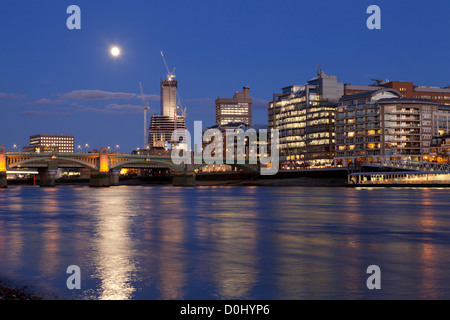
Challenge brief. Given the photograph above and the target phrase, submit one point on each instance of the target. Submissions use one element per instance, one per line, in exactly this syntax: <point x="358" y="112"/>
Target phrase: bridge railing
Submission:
<point x="413" y="165"/>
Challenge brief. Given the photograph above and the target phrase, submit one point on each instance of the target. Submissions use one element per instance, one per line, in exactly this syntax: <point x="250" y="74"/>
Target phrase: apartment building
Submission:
<point x="381" y="125"/>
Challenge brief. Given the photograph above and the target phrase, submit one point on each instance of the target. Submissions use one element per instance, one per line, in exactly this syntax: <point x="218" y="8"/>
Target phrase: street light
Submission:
<point x="86" y="147"/>
<point x="117" y="148"/>
<point x="15" y="147"/>
<point x="79" y="149"/>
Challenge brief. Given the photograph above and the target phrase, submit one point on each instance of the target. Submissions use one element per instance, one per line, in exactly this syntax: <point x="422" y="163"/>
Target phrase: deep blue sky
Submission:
<point x="217" y="47"/>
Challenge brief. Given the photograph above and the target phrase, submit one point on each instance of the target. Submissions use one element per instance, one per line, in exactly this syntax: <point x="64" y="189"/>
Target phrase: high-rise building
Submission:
<point x="161" y="129"/>
<point x="51" y="142"/>
<point x="169" y="97"/>
<point x="236" y="109"/>
<point x="304" y="116"/>
<point x="382" y="125"/>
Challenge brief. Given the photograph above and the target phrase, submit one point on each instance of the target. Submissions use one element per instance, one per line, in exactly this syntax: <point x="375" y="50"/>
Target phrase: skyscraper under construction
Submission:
<point x="163" y="125"/>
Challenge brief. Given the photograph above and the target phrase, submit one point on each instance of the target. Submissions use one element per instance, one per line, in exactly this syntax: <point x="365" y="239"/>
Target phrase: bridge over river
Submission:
<point x="105" y="167"/>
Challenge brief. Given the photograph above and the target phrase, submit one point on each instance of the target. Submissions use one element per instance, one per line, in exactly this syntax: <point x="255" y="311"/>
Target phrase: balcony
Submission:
<point x="402" y="112"/>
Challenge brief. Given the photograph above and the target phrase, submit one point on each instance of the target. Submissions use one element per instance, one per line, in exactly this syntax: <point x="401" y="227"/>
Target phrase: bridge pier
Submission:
<point x="182" y="179"/>
<point x="3" y="181"/>
<point x="100" y="180"/>
<point x="114" y="176"/>
<point x="47" y="178"/>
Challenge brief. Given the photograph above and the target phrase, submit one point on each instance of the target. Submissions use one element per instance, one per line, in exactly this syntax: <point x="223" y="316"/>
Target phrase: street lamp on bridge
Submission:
<point x="15" y="147"/>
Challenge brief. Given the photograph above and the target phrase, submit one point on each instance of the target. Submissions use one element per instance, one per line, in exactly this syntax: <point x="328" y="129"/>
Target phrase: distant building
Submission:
<point x="236" y="109"/>
<point x="241" y="131"/>
<point x="381" y="125"/>
<point x="50" y="142"/>
<point x="304" y="116"/>
<point x="407" y="89"/>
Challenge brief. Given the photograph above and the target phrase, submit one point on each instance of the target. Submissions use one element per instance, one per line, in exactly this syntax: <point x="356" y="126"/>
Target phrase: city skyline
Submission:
<point x="224" y="155"/>
<point x="64" y="81"/>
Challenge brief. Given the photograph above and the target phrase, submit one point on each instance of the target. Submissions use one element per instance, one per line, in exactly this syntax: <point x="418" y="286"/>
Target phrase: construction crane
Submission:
<point x="170" y="75"/>
<point x="146" y="108"/>
<point x="180" y="106"/>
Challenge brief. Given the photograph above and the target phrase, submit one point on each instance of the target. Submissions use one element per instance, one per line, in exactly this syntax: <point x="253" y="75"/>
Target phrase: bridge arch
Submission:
<point x="46" y="159"/>
<point x="162" y="163"/>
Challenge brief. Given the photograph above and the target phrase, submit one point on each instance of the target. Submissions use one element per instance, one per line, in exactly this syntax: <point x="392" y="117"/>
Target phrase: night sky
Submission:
<point x="56" y="80"/>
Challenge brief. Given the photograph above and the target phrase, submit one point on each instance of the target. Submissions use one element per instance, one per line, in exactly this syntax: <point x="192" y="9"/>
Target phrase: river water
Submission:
<point x="262" y="243"/>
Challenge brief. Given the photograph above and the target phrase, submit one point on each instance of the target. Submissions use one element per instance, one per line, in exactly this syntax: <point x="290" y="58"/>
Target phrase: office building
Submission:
<point x="236" y="109"/>
<point x="51" y="142"/>
<point x="304" y="116"/>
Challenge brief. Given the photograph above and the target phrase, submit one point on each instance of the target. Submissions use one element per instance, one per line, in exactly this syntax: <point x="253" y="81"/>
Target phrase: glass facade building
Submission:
<point x="304" y="116"/>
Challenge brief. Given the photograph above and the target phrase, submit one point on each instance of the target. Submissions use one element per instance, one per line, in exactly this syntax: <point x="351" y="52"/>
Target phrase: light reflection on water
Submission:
<point x="227" y="242"/>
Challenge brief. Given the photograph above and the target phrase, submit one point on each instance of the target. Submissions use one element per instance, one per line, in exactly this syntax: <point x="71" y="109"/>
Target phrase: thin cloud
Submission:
<point x="260" y="103"/>
<point x="45" y="101"/>
<point x="115" y="109"/>
<point x="199" y="100"/>
<point x="150" y="97"/>
<point x="37" y="113"/>
<point x="125" y="108"/>
<point x="97" y="95"/>
<point x="4" y="95"/>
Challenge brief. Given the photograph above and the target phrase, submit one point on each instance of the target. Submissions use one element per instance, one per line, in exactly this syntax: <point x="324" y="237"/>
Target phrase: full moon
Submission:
<point x="115" y="51"/>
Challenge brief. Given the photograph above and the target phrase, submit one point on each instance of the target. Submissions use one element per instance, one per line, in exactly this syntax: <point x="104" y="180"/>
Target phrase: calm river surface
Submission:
<point x="156" y="242"/>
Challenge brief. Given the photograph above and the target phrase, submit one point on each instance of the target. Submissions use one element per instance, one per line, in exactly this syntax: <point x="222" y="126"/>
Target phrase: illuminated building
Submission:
<point x="51" y="142"/>
<point x="440" y="149"/>
<point x="304" y="116"/>
<point x="441" y="121"/>
<point x="236" y="109"/>
<point x="381" y="125"/>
